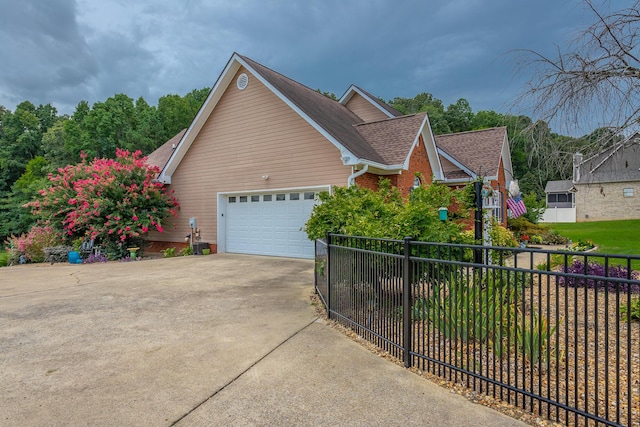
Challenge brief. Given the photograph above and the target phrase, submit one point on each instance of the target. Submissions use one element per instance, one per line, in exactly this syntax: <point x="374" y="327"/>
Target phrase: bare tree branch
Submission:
<point x="596" y="80"/>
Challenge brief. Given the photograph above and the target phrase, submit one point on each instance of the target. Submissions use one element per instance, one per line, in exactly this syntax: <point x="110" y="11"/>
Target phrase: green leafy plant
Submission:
<point x="631" y="311"/>
<point x="77" y="244"/>
<point x="169" y="252"/>
<point x="359" y="211"/>
<point x="4" y="258"/>
<point x="186" y="251"/>
<point x="320" y="266"/>
<point x="487" y="311"/>
<point x="533" y="337"/>
<point x="582" y="245"/>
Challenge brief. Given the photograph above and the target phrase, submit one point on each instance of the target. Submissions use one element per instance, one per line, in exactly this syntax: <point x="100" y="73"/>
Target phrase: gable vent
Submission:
<point x="243" y="81"/>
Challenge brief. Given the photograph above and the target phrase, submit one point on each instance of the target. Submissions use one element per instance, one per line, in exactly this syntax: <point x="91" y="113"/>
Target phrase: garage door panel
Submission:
<point x="269" y="224"/>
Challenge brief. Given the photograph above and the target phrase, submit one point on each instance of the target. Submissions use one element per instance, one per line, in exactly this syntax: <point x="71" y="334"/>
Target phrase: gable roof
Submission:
<point x="476" y="152"/>
<point x="161" y="155"/>
<point x="330" y="118"/>
<point x="382" y="106"/>
<point x="392" y="138"/>
<point x="333" y="117"/>
<point x="618" y="163"/>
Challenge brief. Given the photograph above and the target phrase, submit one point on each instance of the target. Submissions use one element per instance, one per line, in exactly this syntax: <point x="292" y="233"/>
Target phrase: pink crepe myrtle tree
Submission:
<point x="114" y="201"/>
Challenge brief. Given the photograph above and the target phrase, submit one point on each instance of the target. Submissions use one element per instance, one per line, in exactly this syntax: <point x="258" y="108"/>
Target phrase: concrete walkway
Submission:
<point x="208" y="340"/>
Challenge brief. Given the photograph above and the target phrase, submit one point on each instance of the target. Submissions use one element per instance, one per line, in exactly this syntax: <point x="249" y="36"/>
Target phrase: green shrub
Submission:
<point x="359" y="211"/>
<point x="186" y="251"/>
<point x="535" y="207"/>
<point x="553" y="238"/>
<point x="500" y="236"/>
<point x="4" y="258"/>
<point x="30" y="247"/>
<point x="484" y="311"/>
<point x="169" y="252"/>
<point x="632" y="311"/>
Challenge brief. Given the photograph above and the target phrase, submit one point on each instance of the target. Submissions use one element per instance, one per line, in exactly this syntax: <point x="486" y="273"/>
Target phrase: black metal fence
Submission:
<point x="549" y="331"/>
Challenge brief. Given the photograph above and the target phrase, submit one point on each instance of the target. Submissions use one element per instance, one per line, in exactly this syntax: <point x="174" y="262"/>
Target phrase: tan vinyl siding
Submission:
<point x="249" y="134"/>
<point x="365" y="109"/>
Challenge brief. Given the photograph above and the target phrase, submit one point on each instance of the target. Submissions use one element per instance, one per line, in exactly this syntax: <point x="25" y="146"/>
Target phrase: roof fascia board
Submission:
<point x="380" y="166"/>
<point x="506" y="160"/>
<point x="353" y="89"/>
<point x="457" y="163"/>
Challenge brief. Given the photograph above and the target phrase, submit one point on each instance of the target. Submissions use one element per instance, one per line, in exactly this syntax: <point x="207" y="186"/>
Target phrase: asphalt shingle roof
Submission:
<point x="558" y="186"/>
<point x="161" y="155"/>
<point x="392" y="138"/>
<point x="478" y="150"/>
<point x="616" y="164"/>
<point x="336" y="119"/>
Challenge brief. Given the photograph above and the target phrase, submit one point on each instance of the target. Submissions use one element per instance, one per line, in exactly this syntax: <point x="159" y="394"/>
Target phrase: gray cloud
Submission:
<point x="64" y="52"/>
<point x="43" y="49"/>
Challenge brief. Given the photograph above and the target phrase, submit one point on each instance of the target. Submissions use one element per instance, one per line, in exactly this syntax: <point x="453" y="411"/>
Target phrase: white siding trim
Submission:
<point x="353" y="89"/>
<point x="457" y="163"/>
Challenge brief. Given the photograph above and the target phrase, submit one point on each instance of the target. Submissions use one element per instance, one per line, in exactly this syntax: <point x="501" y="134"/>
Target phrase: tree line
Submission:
<point x="35" y="141"/>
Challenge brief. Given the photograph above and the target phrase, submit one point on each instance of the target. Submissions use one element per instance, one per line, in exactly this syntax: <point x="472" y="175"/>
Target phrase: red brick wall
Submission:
<point x="419" y="162"/>
<point x="368" y="180"/>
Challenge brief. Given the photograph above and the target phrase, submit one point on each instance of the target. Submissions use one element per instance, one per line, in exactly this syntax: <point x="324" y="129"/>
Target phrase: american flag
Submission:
<point x="516" y="206"/>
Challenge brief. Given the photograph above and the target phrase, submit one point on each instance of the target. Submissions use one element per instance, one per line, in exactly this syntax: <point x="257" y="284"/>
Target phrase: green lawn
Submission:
<point x="611" y="237"/>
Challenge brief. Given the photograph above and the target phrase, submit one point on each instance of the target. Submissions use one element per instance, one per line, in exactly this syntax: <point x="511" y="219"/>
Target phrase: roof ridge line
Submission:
<point x="475" y="130"/>
<point x="288" y="78"/>
<point x="387" y="119"/>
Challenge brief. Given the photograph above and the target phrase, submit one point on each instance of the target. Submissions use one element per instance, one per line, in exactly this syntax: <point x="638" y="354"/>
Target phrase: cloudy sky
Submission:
<point x="65" y="51"/>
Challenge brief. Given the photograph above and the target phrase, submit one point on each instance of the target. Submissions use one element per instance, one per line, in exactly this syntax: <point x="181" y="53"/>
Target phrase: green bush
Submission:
<point x="632" y="311"/>
<point x="169" y="252"/>
<point x="30" y="247"/>
<point x="553" y="238"/>
<point x="535" y="207"/>
<point x="384" y="213"/>
<point x="186" y="251"/>
<point x="484" y="311"/>
<point x="4" y="258"/>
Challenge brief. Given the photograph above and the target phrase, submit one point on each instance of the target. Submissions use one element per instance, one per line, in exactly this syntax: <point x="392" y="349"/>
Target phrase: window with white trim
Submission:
<point x="627" y="192"/>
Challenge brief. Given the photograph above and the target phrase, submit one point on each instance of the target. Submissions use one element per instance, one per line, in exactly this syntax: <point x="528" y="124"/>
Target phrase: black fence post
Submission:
<point x="406" y="303"/>
<point x="328" y="270"/>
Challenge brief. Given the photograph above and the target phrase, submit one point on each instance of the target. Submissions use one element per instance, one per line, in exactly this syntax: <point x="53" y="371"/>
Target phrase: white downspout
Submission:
<point x="352" y="178"/>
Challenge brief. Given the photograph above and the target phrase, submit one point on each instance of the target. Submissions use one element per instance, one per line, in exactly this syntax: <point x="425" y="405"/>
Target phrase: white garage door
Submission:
<point x="269" y="224"/>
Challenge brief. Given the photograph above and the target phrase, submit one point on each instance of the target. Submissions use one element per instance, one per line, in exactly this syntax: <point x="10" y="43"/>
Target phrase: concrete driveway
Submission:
<point x="200" y="340"/>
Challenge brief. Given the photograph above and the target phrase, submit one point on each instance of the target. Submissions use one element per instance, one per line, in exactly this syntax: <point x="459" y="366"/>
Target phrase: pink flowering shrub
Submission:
<point x="31" y="245"/>
<point x="114" y="201"/>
